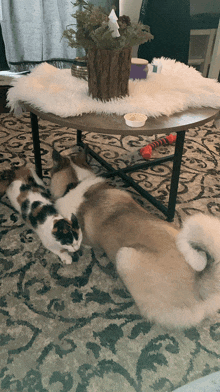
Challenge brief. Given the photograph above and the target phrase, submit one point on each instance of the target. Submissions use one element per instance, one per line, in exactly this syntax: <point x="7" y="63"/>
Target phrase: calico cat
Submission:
<point x="173" y="275"/>
<point x="28" y="195"/>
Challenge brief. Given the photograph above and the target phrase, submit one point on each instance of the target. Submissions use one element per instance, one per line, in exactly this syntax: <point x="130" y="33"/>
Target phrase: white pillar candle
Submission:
<point x="113" y="24"/>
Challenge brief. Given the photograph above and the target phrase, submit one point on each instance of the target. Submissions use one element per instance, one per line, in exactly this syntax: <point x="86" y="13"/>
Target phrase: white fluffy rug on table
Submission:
<point x="177" y="88"/>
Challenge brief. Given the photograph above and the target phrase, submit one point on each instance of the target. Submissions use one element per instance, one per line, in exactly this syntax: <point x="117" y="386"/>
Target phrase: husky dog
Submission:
<point x="173" y="275"/>
<point x="27" y="194"/>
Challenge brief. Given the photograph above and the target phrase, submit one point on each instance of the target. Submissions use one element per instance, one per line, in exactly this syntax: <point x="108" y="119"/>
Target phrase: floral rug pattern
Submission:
<point x="75" y="327"/>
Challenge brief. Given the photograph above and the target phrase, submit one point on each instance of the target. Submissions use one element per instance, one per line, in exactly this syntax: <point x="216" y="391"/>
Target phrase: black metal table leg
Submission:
<point x="175" y="175"/>
<point x="139" y="166"/>
<point x="176" y="158"/>
<point x="78" y="137"/>
<point x="36" y="144"/>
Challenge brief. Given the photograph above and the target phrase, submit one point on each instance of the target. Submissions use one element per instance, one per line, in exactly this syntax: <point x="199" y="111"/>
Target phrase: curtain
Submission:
<point x="32" y="31"/>
<point x="3" y="61"/>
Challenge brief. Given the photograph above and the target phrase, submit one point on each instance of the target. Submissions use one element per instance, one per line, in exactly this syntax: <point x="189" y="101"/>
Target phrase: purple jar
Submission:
<point x="139" y="68"/>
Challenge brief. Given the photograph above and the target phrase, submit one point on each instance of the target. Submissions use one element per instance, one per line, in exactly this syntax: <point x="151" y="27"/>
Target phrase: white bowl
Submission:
<point x="135" y="120"/>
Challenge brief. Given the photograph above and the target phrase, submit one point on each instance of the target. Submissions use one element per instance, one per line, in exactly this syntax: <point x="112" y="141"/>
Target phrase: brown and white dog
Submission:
<point x="173" y="275"/>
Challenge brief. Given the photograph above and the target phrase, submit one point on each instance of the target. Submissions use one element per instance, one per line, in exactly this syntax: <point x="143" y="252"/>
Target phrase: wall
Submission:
<point x="132" y="7"/>
<point x="204" y="6"/>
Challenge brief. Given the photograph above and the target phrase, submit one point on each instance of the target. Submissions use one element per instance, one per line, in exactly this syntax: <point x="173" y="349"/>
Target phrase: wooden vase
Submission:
<point x="108" y="73"/>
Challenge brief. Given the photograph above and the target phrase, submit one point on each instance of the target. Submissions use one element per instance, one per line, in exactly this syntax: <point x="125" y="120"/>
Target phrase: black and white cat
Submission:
<point x="28" y="195"/>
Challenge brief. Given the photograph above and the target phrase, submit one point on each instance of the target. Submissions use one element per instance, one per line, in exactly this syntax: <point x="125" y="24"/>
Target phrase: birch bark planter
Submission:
<point x="108" y="73"/>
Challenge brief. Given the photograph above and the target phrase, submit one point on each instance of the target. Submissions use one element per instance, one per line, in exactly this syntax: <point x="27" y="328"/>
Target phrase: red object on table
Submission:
<point x="147" y="150"/>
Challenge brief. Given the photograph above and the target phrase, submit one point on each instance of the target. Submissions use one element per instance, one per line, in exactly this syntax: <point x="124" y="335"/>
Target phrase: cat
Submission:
<point x="173" y="275"/>
<point x="28" y="195"/>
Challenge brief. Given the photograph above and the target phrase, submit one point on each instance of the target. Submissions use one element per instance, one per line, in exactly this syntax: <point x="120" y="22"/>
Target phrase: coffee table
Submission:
<point x="115" y="124"/>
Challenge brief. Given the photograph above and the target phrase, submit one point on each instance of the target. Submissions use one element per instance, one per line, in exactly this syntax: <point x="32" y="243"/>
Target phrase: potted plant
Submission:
<point x="108" y="42"/>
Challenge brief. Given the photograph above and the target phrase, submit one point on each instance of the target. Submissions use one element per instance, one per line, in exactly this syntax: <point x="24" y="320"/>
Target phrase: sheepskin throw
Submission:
<point x="176" y="88"/>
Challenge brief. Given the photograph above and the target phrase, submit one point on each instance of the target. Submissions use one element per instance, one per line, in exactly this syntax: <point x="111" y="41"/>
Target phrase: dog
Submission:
<point x="173" y="275"/>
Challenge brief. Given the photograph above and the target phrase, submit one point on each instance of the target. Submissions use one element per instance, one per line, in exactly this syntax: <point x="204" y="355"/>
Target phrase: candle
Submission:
<point x="113" y="24"/>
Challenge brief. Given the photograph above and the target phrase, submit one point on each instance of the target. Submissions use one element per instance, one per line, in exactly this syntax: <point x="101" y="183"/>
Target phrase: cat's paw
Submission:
<point x="66" y="258"/>
<point x="76" y="246"/>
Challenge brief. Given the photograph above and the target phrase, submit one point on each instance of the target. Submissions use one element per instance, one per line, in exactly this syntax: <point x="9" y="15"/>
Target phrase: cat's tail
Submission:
<point x="198" y="241"/>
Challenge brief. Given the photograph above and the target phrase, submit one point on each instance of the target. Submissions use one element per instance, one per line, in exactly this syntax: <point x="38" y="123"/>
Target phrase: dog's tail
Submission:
<point x="158" y="302"/>
<point x="198" y="241"/>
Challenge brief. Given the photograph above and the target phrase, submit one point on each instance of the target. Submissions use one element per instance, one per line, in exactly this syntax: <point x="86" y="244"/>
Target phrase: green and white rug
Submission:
<point x="75" y="327"/>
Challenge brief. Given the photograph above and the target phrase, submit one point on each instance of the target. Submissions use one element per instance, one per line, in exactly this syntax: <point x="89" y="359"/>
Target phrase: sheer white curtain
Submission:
<point x="32" y="31"/>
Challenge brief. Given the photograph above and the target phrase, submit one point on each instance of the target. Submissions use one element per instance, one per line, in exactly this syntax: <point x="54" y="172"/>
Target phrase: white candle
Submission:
<point x="113" y="24"/>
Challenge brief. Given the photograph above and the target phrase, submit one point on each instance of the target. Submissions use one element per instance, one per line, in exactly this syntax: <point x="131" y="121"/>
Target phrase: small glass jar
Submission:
<point x="79" y="68"/>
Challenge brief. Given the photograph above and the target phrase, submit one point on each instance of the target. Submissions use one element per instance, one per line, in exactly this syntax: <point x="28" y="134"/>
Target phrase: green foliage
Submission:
<point x="92" y="29"/>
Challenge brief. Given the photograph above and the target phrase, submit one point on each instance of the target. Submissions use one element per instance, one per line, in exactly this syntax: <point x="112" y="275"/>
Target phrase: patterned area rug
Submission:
<point x="75" y="327"/>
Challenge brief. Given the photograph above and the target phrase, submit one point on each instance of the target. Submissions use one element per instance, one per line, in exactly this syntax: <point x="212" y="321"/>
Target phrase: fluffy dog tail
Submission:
<point x="177" y="304"/>
<point x="198" y="240"/>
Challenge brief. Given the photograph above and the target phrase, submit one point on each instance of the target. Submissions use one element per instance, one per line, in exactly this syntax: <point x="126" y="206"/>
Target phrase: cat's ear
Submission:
<point x="74" y="221"/>
<point x="81" y="157"/>
<point x="7" y="175"/>
<point x="56" y="156"/>
<point x="6" y="178"/>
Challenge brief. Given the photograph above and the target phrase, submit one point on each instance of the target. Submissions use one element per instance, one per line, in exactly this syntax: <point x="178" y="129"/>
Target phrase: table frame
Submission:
<point x="176" y="158"/>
